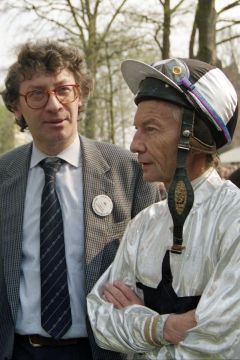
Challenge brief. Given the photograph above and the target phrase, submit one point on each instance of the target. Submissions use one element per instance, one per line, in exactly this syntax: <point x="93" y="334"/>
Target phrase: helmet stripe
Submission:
<point x="205" y="106"/>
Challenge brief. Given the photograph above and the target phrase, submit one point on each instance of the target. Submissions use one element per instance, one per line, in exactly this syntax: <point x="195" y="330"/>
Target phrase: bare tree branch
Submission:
<point x="112" y="20"/>
<point x="80" y="28"/>
<point x="193" y="36"/>
<point x="228" y="7"/>
<point x="237" y="36"/>
<point x="174" y="9"/>
<point x="226" y="27"/>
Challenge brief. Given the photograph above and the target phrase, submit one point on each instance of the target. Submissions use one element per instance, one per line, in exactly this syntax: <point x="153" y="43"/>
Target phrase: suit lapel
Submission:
<point x="13" y="197"/>
<point x="96" y="182"/>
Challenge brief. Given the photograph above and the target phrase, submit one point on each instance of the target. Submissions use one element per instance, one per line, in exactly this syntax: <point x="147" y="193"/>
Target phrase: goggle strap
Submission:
<point x="180" y="194"/>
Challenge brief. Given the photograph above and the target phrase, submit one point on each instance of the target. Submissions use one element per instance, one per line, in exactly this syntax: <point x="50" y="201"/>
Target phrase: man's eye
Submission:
<point x="150" y="130"/>
<point x="63" y="90"/>
<point x="35" y="94"/>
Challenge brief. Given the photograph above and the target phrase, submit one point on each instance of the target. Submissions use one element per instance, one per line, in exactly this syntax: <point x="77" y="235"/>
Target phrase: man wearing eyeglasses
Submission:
<point x="64" y="203"/>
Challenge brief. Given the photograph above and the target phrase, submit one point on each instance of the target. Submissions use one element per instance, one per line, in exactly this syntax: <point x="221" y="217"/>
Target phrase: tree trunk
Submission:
<point x="206" y="24"/>
<point x="166" y="30"/>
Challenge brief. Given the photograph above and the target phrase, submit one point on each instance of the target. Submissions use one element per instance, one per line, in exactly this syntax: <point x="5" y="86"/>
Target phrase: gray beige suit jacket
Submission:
<point x="107" y="169"/>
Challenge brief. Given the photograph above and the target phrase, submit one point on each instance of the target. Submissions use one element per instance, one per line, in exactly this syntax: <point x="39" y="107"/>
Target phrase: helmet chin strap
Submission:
<point x="180" y="194"/>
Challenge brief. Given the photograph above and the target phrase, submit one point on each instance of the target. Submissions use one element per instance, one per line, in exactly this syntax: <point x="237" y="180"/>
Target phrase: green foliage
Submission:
<point x="6" y="130"/>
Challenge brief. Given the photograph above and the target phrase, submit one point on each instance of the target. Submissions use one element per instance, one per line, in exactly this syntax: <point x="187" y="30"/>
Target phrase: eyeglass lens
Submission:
<point x="37" y="99"/>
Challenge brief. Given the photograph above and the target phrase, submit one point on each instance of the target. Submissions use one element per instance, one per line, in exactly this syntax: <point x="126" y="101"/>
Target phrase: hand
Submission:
<point x="120" y="295"/>
<point x="176" y="326"/>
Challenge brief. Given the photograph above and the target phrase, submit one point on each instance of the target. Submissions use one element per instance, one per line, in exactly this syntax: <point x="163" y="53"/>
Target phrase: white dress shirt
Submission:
<point x="70" y="192"/>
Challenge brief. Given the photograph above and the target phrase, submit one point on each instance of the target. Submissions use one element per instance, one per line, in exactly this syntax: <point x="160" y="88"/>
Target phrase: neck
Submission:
<point x="53" y="149"/>
<point x="197" y="164"/>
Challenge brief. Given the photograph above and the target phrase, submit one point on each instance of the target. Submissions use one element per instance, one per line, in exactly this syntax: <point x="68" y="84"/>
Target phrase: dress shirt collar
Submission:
<point x="71" y="154"/>
<point x="198" y="181"/>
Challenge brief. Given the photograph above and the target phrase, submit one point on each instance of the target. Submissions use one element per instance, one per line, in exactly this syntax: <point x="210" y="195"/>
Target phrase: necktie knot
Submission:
<point x="51" y="166"/>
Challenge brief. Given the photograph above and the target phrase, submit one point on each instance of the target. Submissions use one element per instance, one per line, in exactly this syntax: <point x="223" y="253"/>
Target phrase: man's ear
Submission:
<point x="21" y="122"/>
<point x="17" y="113"/>
<point x="80" y="106"/>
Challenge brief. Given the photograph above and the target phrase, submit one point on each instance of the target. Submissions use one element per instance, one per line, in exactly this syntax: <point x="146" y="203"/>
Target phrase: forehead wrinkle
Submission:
<point x="154" y="118"/>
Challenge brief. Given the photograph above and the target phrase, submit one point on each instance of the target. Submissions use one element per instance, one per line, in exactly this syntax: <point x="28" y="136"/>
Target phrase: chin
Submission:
<point x="149" y="178"/>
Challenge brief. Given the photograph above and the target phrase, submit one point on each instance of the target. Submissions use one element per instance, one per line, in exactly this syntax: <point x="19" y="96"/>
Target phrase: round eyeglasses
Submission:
<point x="37" y="99"/>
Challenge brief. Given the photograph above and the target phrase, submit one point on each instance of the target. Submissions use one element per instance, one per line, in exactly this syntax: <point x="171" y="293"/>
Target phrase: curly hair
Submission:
<point x="46" y="57"/>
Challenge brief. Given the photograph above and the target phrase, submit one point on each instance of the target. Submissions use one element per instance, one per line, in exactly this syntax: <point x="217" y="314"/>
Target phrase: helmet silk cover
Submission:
<point x="204" y="87"/>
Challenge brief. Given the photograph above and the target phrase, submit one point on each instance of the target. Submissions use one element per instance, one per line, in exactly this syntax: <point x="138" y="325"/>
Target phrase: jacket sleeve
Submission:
<point x="217" y="333"/>
<point x="128" y="329"/>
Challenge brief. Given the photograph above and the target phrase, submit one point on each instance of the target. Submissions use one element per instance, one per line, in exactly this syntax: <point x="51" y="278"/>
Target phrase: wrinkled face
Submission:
<point x="53" y="127"/>
<point x="157" y="126"/>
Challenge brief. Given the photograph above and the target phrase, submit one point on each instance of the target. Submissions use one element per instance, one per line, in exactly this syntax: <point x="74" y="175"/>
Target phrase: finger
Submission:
<point x="177" y="339"/>
<point x="116" y="294"/>
<point x="111" y="299"/>
<point x="128" y="293"/>
<point x="190" y="318"/>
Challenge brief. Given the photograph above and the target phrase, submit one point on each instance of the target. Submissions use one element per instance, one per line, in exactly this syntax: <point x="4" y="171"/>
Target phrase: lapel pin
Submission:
<point x="102" y="205"/>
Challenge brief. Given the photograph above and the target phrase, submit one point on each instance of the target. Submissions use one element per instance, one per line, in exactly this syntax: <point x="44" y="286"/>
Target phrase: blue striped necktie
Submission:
<point x="56" y="316"/>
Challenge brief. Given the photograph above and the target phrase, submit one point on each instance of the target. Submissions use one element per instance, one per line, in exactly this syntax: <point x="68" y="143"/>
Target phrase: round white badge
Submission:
<point x="102" y="205"/>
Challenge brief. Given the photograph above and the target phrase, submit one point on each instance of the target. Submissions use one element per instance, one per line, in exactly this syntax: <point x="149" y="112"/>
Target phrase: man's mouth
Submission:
<point x="54" y="122"/>
<point x="145" y="164"/>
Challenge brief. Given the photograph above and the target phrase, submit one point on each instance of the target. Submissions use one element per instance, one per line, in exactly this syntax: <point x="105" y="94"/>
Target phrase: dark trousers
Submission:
<point x="25" y="351"/>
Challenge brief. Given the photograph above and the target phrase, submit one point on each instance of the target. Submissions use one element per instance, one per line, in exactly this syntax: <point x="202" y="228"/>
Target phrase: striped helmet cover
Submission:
<point x="204" y="86"/>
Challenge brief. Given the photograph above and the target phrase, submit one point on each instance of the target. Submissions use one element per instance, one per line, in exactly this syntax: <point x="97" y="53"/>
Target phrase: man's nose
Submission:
<point x="53" y="102"/>
<point x="137" y="144"/>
